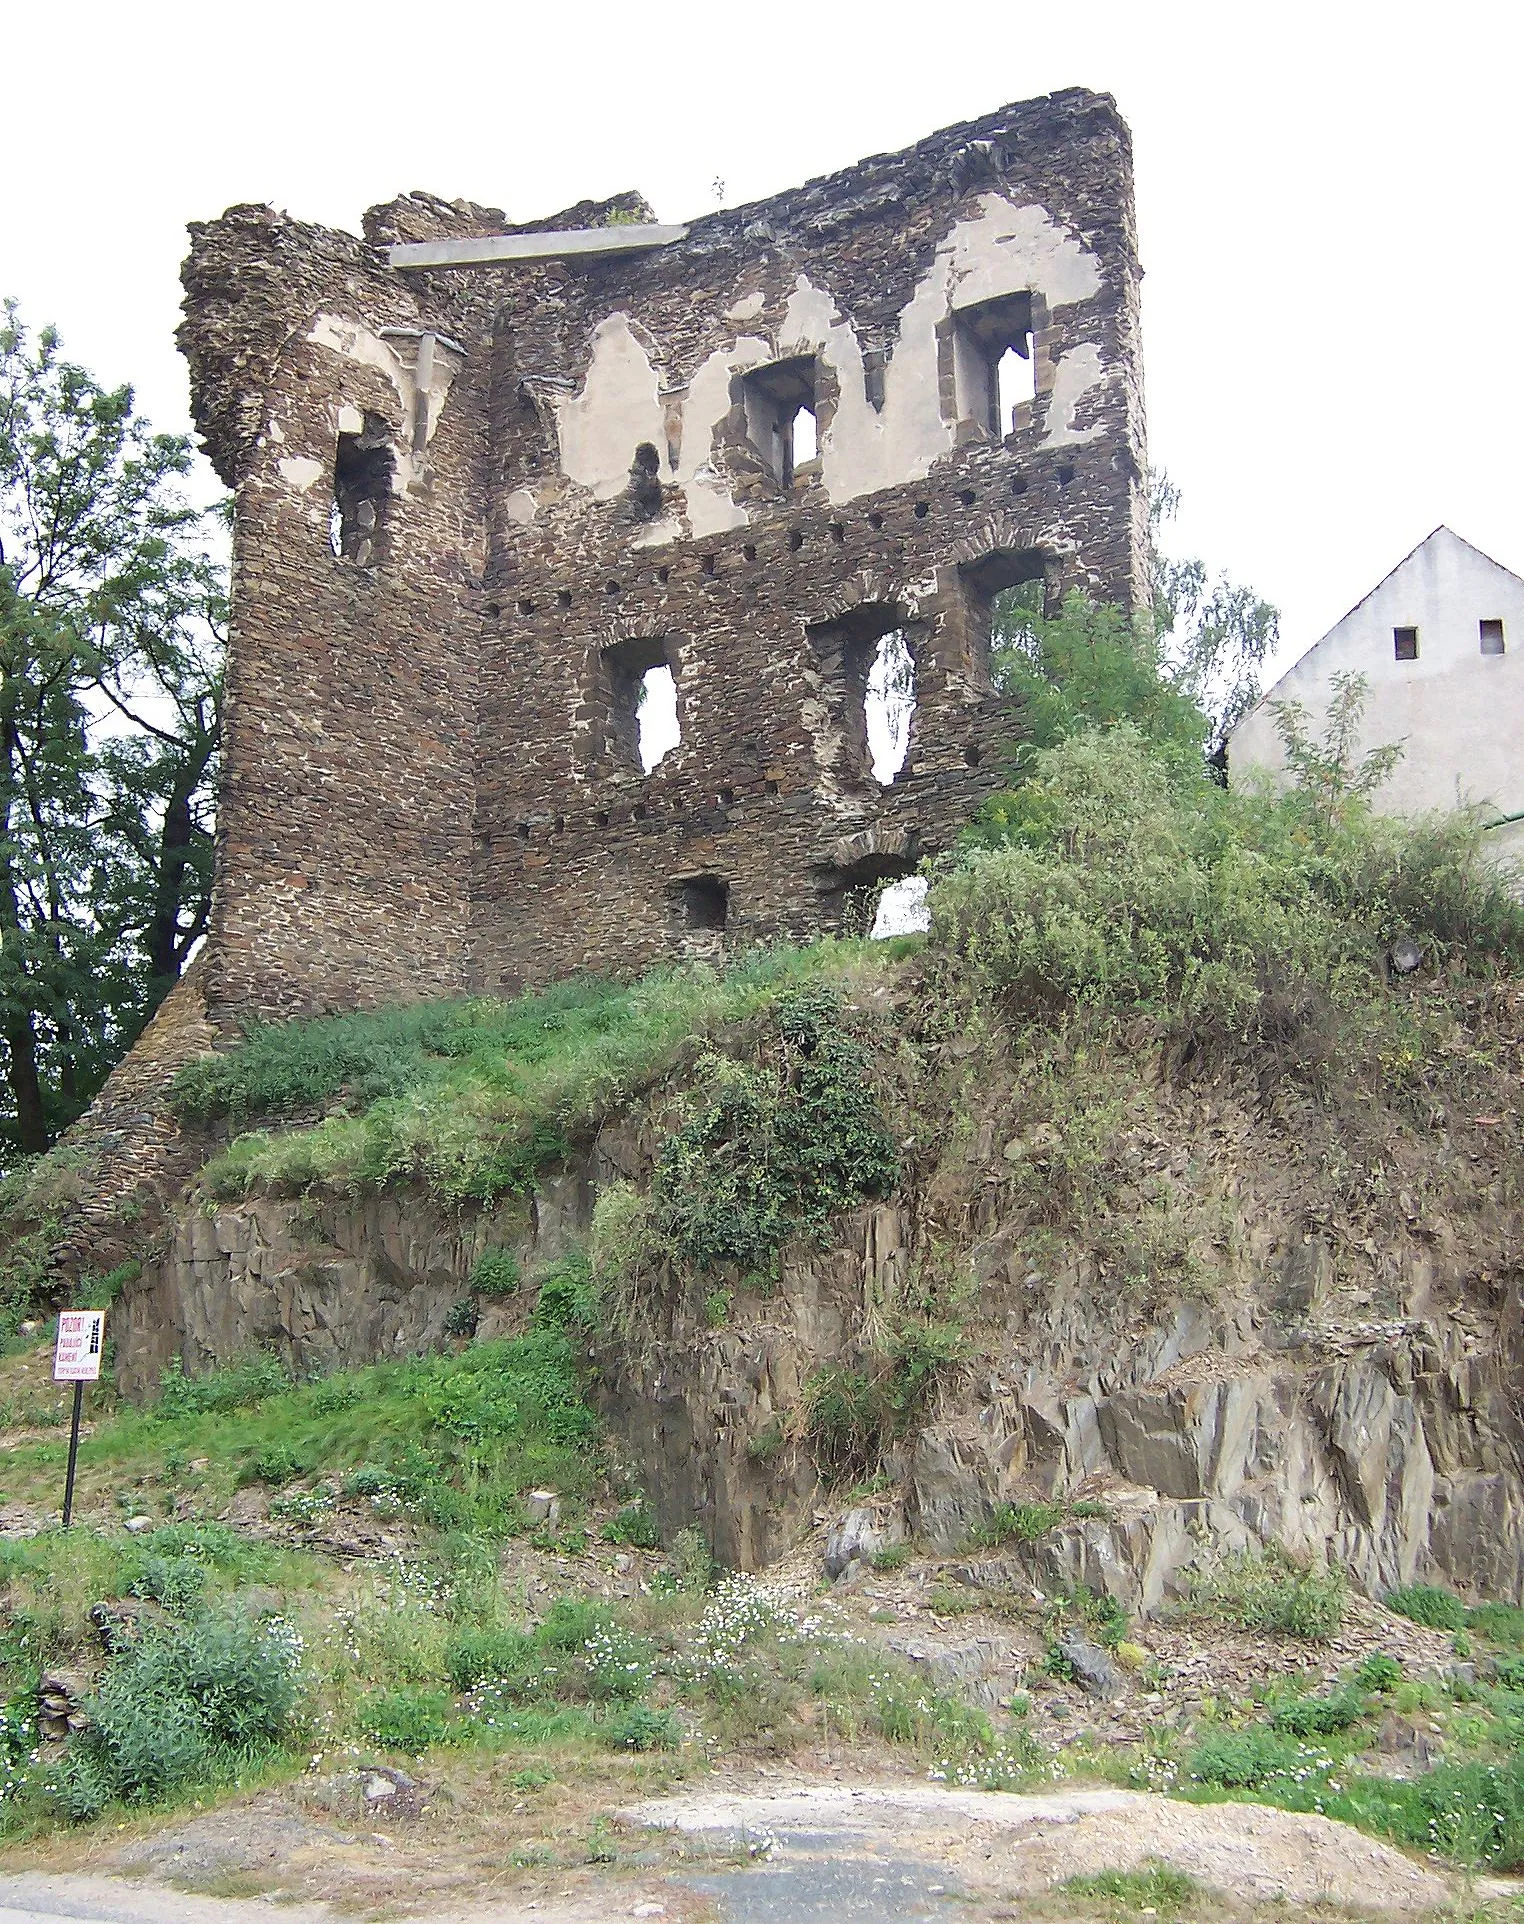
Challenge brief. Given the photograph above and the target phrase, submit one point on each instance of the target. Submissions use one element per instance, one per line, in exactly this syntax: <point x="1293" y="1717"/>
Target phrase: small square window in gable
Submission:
<point x="779" y="401"/>
<point x="1492" y="639"/>
<point x="1405" y="644"/>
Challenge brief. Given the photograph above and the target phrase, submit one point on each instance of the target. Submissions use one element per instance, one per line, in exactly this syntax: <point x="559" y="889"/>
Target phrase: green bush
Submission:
<point x="187" y="1702"/>
<point x="1319" y="1716"/>
<point x="769" y="1151"/>
<point x="1126" y="880"/>
<point x="236" y="1386"/>
<point x="1427" y="1604"/>
<point x="511" y="1658"/>
<point x="1244" y="1759"/>
<point x="496" y="1272"/>
<point x="410" y="1720"/>
<point x="568" y="1297"/>
<point x="636" y="1525"/>
<point x="1266" y="1592"/>
<point x="852" y="1415"/>
<point x="1378" y="1672"/>
<point x="1502" y="1622"/>
<point x="462" y="1317"/>
<point x="639" y="1727"/>
<point x="1018" y="1523"/>
<point x="277" y="1463"/>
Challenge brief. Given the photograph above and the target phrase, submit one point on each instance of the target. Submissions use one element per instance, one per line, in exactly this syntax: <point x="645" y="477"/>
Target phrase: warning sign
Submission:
<point x="81" y="1334"/>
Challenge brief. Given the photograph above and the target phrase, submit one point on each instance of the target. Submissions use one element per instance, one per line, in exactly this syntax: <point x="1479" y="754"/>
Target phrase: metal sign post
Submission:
<point x="77" y="1360"/>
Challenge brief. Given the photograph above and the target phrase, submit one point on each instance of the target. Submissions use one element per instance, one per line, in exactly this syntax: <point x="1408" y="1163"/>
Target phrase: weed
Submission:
<point x="1267" y="1592"/>
<point x="496" y="1272"/>
<point x="1153" y="1888"/>
<point x="639" y="1727"/>
<point x="635" y="1524"/>
<point x="409" y="1720"/>
<point x="1427" y="1604"/>
<point x="894" y="1557"/>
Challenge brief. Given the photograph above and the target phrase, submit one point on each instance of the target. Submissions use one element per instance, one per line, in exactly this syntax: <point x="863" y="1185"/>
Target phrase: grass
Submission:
<point x="472" y="1097"/>
<point x="1265" y="1591"/>
<point x="458" y="1438"/>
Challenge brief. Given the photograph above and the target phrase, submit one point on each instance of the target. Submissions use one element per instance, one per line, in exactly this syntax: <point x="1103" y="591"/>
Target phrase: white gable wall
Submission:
<point x="1459" y="713"/>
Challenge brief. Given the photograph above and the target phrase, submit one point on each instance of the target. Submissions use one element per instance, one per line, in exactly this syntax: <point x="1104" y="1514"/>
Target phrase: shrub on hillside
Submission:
<point x="1265" y="1591"/>
<point x="187" y="1702"/>
<point x="1125" y="879"/>
<point x="1428" y="1604"/>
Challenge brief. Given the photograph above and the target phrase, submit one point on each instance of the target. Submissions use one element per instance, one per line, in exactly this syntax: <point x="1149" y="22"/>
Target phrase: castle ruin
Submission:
<point x="500" y="489"/>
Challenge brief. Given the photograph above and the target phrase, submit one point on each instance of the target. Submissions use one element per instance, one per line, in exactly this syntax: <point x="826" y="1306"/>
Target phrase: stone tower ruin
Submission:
<point x="499" y="489"/>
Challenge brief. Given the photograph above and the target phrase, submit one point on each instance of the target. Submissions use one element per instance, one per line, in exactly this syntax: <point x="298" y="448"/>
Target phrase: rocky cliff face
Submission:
<point x="1319" y="1388"/>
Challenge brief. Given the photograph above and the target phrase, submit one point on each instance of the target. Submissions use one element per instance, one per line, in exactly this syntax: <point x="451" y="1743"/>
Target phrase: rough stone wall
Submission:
<point x="432" y="773"/>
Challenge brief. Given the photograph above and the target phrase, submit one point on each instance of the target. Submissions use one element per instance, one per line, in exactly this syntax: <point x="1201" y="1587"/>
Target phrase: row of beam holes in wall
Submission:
<point x="613" y="588"/>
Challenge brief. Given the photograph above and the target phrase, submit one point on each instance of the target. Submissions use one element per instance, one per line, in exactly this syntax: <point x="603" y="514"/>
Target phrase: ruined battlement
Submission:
<point x="507" y="530"/>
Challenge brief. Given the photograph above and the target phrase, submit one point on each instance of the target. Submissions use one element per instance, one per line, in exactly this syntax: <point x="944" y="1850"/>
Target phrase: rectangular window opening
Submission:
<point x="362" y="488"/>
<point x="644" y="723"/>
<point x="781" y="425"/>
<point x="1492" y="637"/>
<point x="1405" y="644"/>
<point x="869" y="656"/>
<point x="995" y="364"/>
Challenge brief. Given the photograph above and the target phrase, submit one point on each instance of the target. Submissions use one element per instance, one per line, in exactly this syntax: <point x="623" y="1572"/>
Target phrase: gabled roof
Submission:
<point x="1433" y="535"/>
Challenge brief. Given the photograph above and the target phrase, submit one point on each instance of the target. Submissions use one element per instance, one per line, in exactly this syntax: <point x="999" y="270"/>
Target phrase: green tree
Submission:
<point x="1332" y="778"/>
<point x="112" y="610"/>
<point x="1183" y="672"/>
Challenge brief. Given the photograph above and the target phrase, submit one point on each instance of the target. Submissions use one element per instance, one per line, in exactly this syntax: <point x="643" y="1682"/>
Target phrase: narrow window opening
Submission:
<point x="869" y="658"/>
<point x="1405" y="644"/>
<point x="805" y="446"/>
<point x="1493" y="642"/>
<point x="779" y="403"/>
<point x="995" y="364"/>
<point x="641" y="692"/>
<point x="1015" y="386"/>
<point x="889" y="706"/>
<point x="362" y="488"/>
<point x="656" y="716"/>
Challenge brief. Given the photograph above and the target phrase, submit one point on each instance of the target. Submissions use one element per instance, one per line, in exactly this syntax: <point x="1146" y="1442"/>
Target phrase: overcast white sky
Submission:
<point x="1329" y="196"/>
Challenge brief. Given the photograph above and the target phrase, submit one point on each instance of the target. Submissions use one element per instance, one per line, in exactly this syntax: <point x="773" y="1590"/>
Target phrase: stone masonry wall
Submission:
<point x="476" y="504"/>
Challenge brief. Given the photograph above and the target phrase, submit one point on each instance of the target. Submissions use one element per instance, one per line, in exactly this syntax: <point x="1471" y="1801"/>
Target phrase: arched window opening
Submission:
<point x="902" y="909"/>
<point x="889" y="706"/>
<point x="867" y="662"/>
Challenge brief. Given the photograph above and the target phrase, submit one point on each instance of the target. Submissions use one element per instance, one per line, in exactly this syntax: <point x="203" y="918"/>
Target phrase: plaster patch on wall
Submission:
<point x="657" y="534"/>
<point x="748" y="307"/>
<point x="617" y="407"/>
<point x="1076" y="373"/>
<point x="1004" y="250"/>
<point x="300" y="470"/>
<point x="358" y="343"/>
<point x="711" y="508"/>
<point x="521" y="506"/>
<point x="1009" y="249"/>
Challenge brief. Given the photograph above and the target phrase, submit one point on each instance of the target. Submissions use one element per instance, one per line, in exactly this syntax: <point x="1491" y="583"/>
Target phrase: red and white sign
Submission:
<point x="81" y="1337"/>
